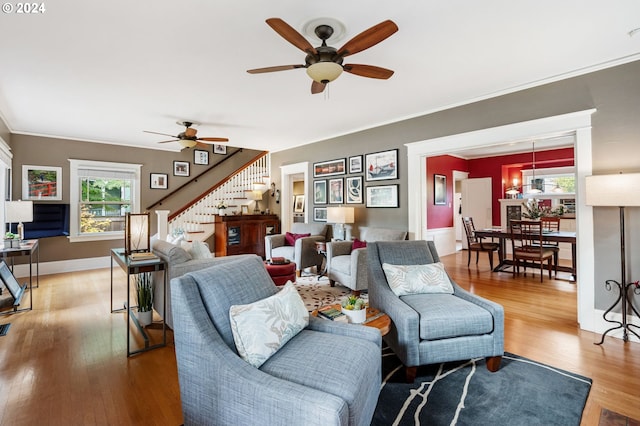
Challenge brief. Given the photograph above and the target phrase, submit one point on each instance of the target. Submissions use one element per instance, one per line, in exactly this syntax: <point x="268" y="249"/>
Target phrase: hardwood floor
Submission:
<point x="64" y="363"/>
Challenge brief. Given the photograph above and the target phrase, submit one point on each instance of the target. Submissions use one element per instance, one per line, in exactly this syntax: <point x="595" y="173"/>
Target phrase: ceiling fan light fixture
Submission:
<point x="324" y="72"/>
<point x="186" y="143"/>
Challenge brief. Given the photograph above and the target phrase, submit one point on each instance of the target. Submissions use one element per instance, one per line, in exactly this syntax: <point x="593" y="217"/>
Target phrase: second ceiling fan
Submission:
<point x="188" y="138"/>
<point x="324" y="63"/>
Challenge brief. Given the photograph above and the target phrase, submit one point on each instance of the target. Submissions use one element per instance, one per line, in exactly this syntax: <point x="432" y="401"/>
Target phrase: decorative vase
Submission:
<point x="145" y="318"/>
<point x="355" y="317"/>
<point x="7" y="244"/>
<point x="15" y="243"/>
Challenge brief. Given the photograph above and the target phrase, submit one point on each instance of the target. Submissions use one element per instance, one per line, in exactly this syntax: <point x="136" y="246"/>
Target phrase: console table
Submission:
<point x="243" y="234"/>
<point x="132" y="267"/>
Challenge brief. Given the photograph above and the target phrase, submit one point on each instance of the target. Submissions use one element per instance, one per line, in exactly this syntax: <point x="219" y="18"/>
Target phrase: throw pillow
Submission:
<point x="416" y="279"/>
<point x="290" y="239"/>
<point x="358" y="244"/>
<point x="261" y="328"/>
<point x="199" y="250"/>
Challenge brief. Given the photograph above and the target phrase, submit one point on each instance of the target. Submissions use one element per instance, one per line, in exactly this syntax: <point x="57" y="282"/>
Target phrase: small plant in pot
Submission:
<point x="11" y="240"/>
<point x="144" y="295"/>
<point x="355" y="309"/>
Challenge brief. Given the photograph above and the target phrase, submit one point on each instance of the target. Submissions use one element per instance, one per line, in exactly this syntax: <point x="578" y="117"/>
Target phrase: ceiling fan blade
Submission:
<point x="172" y="140"/>
<point x="156" y="133"/>
<point x="202" y="145"/>
<point x="276" y="68"/>
<point x="368" y="38"/>
<point x="368" y="71"/>
<point x="213" y="139"/>
<point x="291" y="35"/>
<point x="317" y="87"/>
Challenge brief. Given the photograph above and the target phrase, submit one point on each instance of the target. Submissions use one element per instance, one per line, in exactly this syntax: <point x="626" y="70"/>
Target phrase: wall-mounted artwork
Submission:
<point x="320" y="214"/>
<point x="329" y="168"/>
<point x="320" y="192"/>
<point x="439" y="189"/>
<point x="181" y="168"/>
<point x="353" y="189"/>
<point x="201" y="157"/>
<point x="382" y="196"/>
<point x="159" y="181"/>
<point x="219" y="149"/>
<point x="41" y="183"/>
<point x="382" y="165"/>
<point x="336" y="191"/>
<point x="355" y="164"/>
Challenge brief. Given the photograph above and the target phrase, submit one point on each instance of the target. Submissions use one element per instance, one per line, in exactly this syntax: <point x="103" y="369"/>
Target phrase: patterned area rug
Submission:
<point x="316" y="293"/>
<point x="522" y="392"/>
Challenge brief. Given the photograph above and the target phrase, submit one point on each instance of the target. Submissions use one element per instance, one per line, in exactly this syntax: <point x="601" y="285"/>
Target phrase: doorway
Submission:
<point x="289" y="175"/>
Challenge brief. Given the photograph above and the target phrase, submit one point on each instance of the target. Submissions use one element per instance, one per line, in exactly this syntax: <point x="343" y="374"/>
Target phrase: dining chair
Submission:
<point x="552" y="224"/>
<point x="476" y="244"/>
<point x="526" y="236"/>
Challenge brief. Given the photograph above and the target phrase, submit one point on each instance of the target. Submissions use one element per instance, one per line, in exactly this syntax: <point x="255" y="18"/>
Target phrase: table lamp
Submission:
<point x="256" y="195"/>
<point x="19" y="211"/>
<point x="137" y="233"/>
<point x="621" y="191"/>
<point x="340" y="216"/>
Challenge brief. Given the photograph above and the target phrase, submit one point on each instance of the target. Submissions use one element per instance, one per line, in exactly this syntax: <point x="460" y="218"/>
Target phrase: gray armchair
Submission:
<point x="304" y="252"/>
<point x="433" y="328"/>
<point x="218" y="387"/>
<point x="349" y="267"/>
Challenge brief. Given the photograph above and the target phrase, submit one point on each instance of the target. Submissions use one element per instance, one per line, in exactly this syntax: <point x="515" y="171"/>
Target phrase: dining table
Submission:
<point x="503" y="235"/>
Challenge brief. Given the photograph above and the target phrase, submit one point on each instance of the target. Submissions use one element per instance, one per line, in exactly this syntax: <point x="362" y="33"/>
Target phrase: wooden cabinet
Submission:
<point x="243" y="234"/>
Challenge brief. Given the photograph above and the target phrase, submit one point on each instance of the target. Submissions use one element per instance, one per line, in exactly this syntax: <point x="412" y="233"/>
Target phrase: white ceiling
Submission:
<point x="105" y="71"/>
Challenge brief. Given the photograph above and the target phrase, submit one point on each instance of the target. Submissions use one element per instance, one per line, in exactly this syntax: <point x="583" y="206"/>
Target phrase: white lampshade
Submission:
<point x="137" y="233"/>
<point x="255" y="195"/>
<point x="340" y="214"/>
<point x="19" y="211"/>
<point x="613" y="190"/>
<point x="187" y="143"/>
<point x="324" y="72"/>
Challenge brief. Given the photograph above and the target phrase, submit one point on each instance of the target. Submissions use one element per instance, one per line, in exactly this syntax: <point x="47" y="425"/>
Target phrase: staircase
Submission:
<point x="196" y="221"/>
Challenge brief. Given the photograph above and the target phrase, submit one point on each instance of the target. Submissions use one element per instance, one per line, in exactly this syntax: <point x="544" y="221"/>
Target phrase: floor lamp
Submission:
<point x="621" y="190"/>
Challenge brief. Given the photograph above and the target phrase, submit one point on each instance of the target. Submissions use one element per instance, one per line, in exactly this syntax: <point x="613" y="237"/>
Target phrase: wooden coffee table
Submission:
<point x="375" y="319"/>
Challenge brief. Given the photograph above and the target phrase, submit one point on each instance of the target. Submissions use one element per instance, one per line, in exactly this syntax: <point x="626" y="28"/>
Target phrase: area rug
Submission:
<point x="522" y="392"/>
<point x="317" y="292"/>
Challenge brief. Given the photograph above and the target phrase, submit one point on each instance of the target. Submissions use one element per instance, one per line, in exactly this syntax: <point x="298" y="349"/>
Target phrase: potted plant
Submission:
<point x="144" y="295"/>
<point x="11" y="240"/>
<point x="222" y="208"/>
<point x="355" y="309"/>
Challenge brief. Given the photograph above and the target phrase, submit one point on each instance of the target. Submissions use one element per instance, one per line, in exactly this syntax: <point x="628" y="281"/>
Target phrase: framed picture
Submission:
<point x="298" y="204"/>
<point x="439" y="189"/>
<point x="181" y="168"/>
<point x="354" y="189"/>
<point x="320" y="192"/>
<point x="159" y="181"/>
<point x="336" y="191"/>
<point x="382" y="196"/>
<point x="320" y="214"/>
<point x="200" y="157"/>
<point x="244" y="209"/>
<point x="355" y="164"/>
<point x="382" y="165"/>
<point x="329" y="168"/>
<point x="219" y="149"/>
<point x="41" y="183"/>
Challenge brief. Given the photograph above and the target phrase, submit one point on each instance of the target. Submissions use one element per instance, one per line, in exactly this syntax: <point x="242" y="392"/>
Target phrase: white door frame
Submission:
<point x="578" y="123"/>
<point x="286" y="195"/>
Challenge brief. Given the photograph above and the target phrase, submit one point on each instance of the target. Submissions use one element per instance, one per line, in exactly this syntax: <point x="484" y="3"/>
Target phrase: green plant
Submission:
<point x="144" y="291"/>
<point x="10" y="236"/>
<point x="532" y="210"/>
<point x="353" y="303"/>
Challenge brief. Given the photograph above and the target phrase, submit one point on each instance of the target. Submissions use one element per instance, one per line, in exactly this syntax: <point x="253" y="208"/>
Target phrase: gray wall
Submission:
<point x="41" y="151"/>
<point x="614" y="92"/>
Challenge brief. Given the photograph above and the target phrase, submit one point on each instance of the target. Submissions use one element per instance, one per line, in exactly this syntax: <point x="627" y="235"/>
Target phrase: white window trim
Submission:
<point x="74" y="194"/>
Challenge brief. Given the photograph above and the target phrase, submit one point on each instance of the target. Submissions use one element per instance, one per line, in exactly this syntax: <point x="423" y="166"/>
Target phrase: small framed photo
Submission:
<point x="200" y="157"/>
<point x="159" y="181"/>
<point x="382" y="196"/>
<point x="382" y="165"/>
<point x="439" y="190"/>
<point x="298" y="204"/>
<point x="244" y="209"/>
<point x="181" y="168"/>
<point x="320" y="192"/>
<point x="355" y="164"/>
<point x="219" y="149"/>
<point x="320" y="214"/>
<point x="353" y="189"/>
<point x="41" y="183"/>
<point x="329" y="168"/>
<point x="336" y="191"/>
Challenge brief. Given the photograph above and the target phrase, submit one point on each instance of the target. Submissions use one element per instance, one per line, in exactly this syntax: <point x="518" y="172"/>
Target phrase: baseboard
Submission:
<point x="601" y="325"/>
<point x="61" y="266"/>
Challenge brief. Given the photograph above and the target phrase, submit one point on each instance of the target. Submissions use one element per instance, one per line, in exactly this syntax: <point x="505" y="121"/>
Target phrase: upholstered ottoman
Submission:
<point x="281" y="273"/>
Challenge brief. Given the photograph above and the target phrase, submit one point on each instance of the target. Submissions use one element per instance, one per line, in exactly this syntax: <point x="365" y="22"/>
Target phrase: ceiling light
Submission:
<point x="186" y="143"/>
<point x="324" y="72"/>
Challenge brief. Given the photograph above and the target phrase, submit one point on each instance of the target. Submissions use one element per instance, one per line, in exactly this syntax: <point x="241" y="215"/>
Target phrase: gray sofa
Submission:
<point x="433" y="328"/>
<point x="304" y="252"/>
<point x="179" y="262"/>
<point x="340" y="387"/>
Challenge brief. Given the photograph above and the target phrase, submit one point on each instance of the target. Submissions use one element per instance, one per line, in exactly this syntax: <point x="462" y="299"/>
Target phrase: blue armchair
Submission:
<point x="431" y="328"/>
<point x="340" y="387"/>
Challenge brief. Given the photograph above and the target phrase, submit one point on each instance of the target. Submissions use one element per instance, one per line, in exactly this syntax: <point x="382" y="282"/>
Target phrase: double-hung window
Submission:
<point x="101" y="193"/>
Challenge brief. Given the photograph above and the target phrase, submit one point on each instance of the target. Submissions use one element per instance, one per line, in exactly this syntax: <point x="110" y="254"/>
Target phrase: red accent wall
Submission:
<point x="501" y="169"/>
<point x="441" y="216"/>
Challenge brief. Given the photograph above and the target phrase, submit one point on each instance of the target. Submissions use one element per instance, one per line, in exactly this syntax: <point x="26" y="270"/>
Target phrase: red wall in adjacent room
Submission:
<point x="441" y="216"/>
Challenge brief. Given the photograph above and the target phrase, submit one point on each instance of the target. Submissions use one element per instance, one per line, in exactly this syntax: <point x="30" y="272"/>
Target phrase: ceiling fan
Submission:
<point x="324" y="63"/>
<point x="188" y="138"/>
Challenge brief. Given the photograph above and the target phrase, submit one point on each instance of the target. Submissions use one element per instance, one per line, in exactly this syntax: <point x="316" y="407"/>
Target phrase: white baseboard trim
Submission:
<point x="601" y="325"/>
<point x="60" y="266"/>
<point x="444" y="239"/>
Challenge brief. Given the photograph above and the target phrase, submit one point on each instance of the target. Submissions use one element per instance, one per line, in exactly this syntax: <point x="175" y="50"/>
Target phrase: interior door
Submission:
<point x="476" y="203"/>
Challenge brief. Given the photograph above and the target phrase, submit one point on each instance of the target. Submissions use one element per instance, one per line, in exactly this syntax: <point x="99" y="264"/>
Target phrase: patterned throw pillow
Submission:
<point x="416" y="279"/>
<point x="261" y="328"/>
<point x="290" y="238"/>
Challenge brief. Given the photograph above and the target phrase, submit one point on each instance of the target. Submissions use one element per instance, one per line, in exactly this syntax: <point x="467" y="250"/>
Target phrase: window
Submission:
<point x="101" y="193"/>
<point x="559" y="180"/>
